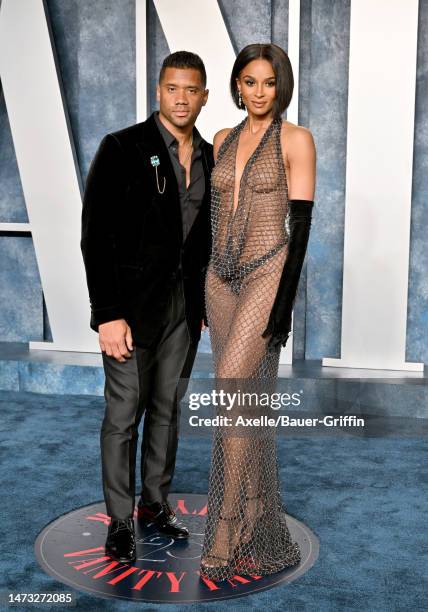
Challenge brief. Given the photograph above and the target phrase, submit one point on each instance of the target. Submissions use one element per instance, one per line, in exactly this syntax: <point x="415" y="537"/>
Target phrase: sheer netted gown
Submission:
<point x="246" y="530"/>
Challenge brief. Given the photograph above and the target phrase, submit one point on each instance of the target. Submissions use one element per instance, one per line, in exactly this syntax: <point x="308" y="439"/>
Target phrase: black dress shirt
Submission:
<point x="190" y="197"/>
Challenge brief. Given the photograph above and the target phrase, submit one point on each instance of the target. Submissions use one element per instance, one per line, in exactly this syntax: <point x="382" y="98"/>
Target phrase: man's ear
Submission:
<point x="157" y="92"/>
<point x="206" y="92"/>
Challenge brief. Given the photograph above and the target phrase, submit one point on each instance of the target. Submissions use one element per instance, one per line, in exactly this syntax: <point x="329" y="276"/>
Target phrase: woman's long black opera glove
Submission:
<point x="279" y="324"/>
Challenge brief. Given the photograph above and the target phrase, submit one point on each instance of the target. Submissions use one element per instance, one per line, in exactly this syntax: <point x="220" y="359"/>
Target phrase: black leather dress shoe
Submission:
<point x="120" y="543"/>
<point x="163" y="516"/>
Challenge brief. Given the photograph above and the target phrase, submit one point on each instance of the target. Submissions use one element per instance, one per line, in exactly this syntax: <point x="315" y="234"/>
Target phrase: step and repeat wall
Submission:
<point x="71" y="71"/>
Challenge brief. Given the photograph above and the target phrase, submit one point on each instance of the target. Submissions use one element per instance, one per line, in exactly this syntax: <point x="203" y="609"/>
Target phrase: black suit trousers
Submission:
<point x="151" y="383"/>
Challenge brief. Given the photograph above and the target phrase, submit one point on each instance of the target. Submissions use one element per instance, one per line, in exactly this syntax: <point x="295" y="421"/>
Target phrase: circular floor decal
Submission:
<point x="71" y="549"/>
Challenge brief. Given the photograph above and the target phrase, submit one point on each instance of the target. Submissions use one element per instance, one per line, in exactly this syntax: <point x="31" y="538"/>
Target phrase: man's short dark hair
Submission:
<point x="281" y="66"/>
<point x="184" y="59"/>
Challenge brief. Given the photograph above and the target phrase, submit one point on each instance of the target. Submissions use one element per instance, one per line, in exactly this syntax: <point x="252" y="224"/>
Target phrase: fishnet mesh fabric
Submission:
<point x="246" y="531"/>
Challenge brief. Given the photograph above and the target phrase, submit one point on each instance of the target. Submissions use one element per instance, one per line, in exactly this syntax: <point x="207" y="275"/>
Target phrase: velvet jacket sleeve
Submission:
<point x="105" y="187"/>
<point x="279" y="324"/>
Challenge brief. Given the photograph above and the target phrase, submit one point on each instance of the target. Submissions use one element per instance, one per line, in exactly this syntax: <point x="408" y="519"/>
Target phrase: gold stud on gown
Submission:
<point x="246" y="530"/>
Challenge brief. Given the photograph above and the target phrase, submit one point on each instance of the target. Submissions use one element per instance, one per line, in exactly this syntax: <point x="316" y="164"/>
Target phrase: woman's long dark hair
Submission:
<point x="284" y="80"/>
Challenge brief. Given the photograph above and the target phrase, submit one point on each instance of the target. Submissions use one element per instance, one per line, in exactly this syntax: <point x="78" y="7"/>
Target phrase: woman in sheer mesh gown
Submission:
<point x="259" y="243"/>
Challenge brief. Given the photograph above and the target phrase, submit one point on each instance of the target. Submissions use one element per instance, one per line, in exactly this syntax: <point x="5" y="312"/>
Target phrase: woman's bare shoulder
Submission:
<point x="221" y="135"/>
<point x="297" y="134"/>
<point x="219" y="138"/>
<point x="296" y="138"/>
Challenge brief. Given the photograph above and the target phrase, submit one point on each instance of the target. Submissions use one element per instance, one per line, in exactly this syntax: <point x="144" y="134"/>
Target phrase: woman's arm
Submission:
<point x="301" y="158"/>
<point x="217" y="142"/>
<point x="299" y="153"/>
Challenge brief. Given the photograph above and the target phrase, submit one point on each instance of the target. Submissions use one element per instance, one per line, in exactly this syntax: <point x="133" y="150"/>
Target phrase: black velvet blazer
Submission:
<point x="132" y="242"/>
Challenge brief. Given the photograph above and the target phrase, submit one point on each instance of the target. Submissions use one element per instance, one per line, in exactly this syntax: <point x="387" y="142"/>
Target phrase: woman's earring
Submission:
<point x="240" y="103"/>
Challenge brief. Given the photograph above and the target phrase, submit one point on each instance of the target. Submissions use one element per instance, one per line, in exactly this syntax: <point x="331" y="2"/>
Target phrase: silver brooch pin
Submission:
<point x="154" y="160"/>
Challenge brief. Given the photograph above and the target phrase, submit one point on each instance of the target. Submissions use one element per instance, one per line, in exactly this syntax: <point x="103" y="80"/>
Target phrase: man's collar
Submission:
<point x="170" y="138"/>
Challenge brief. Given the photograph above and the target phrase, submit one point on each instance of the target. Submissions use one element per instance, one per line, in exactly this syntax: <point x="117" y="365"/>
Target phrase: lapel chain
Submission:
<point x="155" y="163"/>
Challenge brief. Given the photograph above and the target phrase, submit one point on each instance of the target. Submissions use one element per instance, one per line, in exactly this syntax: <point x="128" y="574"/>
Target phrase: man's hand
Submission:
<point x="115" y="339"/>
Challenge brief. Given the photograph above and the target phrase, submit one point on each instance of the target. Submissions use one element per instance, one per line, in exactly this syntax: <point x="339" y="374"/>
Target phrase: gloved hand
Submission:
<point x="279" y="324"/>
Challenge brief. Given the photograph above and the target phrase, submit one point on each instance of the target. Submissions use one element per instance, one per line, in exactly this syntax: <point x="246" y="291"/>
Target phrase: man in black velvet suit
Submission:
<point x="146" y="242"/>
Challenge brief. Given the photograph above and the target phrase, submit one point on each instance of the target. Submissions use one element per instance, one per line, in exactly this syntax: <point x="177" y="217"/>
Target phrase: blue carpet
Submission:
<point x="365" y="499"/>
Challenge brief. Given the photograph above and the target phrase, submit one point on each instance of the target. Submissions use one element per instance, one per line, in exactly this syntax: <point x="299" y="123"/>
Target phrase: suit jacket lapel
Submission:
<point x="150" y="145"/>
<point x="204" y="208"/>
